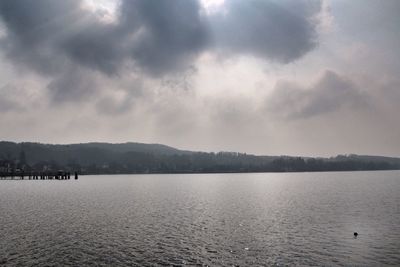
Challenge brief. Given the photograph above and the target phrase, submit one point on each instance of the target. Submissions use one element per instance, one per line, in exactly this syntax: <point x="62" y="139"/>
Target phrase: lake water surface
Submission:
<point x="203" y="219"/>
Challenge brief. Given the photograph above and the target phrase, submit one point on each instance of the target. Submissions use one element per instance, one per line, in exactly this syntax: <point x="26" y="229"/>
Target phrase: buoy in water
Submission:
<point x="355" y="234"/>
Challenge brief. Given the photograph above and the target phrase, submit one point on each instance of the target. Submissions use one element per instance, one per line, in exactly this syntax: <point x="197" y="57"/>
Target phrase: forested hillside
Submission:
<point x="105" y="158"/>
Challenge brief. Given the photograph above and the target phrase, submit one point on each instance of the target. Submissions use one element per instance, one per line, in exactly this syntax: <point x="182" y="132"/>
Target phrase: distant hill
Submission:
<point x="85" y="153"/>
<point x="135" y="147"/>
<point x="96" y="158"/>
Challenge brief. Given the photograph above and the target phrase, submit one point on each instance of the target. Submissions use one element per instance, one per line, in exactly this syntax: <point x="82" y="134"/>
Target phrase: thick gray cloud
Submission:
<point x="95" y="45"/>
<point x="168" y="34"/>
<point x="279" y="30"/>
<point x="60" y="39"/>
<point x="47" y="36"/>
<point x="73" y="85"/>
<point x="158" y="36"/>
<point x="330" y="93"/>
<point x="8" y="99"/>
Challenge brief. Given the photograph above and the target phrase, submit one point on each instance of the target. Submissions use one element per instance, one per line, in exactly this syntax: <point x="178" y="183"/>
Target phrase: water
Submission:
<point x="205" y="219"/>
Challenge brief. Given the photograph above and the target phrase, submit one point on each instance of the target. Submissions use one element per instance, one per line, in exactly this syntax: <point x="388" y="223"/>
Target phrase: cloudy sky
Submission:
<point x="269" y="77"/>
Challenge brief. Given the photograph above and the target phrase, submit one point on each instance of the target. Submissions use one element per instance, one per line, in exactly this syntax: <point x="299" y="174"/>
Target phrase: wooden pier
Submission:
<point x="35" y="175"/>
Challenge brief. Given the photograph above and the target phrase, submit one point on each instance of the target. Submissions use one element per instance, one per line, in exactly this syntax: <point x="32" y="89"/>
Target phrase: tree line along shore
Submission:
<point x="127" y="158"/>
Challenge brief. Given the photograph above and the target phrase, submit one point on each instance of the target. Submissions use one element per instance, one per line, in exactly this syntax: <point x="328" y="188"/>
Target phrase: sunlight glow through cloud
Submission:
<point x="212" y="5"/>
<point x="105" y="9"/>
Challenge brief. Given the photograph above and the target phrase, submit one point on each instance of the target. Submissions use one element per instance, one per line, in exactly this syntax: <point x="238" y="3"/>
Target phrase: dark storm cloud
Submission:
<point x="171" y="33"/>
<point x="278" y="30"/>
<point x="32" y="31"/>
<point x="46" y="34"/>
<point x="160" y="36"/>
<point x="95" y="46"/>
<point x="331" y="93"/>
<point x="53" y="37"/>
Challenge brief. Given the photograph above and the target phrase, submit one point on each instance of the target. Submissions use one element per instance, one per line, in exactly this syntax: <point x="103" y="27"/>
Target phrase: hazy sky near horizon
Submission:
<point x="294" y="77"/>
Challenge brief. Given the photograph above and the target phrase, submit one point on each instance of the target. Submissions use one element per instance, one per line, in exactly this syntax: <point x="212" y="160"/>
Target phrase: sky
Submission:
<point x="270" y="77"/>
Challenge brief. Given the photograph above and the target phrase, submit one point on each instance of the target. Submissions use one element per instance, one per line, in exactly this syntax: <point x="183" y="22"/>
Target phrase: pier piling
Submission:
<point x="34" y="175"/>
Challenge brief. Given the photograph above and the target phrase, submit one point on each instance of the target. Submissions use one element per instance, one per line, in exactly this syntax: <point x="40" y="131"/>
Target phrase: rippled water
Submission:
<point x="205" y="219"/>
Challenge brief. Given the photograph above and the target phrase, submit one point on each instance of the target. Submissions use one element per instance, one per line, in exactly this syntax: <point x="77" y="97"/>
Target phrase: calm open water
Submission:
<point x="204" y="219"/>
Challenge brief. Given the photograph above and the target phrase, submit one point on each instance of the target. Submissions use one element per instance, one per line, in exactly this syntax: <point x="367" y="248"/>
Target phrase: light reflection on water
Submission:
<point x="205" y="219"/>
